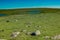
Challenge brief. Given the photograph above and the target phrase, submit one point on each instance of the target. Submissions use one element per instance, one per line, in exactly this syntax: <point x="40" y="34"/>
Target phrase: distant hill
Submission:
<point x="25" y="11"/>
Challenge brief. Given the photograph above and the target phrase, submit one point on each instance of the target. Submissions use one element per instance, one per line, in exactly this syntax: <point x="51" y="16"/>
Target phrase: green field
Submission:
<point x="49" y="22"/>
<point x="47" y="18"/>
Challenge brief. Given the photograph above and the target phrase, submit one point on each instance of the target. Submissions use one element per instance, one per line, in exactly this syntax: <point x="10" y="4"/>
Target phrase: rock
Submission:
<point x="3" y="39"/>
<point x="16" y="20"/>
<point x="15" y="34"/>
<point x="38" y="32"/>
<point x="28" y="26"/>
<point x="24" y="31"/>
<point x="28" y="33"/>
<point x="57" y="37"/>
<point x="47" y="37"/>
<point x="33" y="34"/>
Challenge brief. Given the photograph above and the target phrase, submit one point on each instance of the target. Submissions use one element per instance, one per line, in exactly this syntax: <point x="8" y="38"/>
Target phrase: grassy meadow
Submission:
<point x="49" y="22"/>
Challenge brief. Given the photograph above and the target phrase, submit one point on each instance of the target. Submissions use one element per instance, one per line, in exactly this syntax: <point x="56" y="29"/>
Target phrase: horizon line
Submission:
<point x="31" y="7"/>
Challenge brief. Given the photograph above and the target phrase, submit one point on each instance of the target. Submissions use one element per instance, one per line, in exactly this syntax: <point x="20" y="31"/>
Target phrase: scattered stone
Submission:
<point x="28" y="26"/>
<point x="38" y="26"/>
<point x="33" y="34"/>
<point x="28" y="33"/>
<point x="24" y="31"/>
<point x="15" y="34"/>
<point x="3" y="39"/>
<point x="47" y="37"/>
<point x="16" y="20"/>
<point x="38" y="32"/>
<point x="57" y="37"/>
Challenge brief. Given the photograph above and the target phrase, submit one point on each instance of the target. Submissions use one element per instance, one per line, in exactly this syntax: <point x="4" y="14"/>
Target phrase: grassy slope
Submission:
<point x="49" y="19"/>
<point x="50" y="23"/>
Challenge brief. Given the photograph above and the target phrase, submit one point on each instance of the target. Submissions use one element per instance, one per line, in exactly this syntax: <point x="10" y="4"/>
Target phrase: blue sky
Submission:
<point x="7" y="4"/>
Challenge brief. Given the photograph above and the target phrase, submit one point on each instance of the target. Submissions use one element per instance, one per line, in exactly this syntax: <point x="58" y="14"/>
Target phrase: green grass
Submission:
<point x="49" y="22"/>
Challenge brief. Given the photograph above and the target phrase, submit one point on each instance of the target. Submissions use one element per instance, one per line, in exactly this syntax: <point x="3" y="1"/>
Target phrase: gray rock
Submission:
<point x="28" y="26"/>
<point x="16" y="20"/>
<point x="37" y="32"/>
<point x="3" y="39"/>
<point x="57" y="37"/>
<point x="28" y="33"/>
<point x="33" y="34"/>
<point x="47" y="37"/>
<point x="15" y="34"/>
<point x="24" y="31"/>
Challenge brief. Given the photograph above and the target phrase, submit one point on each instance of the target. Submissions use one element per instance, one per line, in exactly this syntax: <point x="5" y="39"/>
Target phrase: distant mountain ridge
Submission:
<point x="24" y="11"/>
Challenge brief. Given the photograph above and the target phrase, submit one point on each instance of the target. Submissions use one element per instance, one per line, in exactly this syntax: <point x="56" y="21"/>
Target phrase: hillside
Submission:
<point x="46" y="20"/>
<point x="25" y="11"/>
<point x="49" y="25"/>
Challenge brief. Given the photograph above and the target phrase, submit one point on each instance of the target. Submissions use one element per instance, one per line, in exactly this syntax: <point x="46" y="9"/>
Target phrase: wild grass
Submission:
<point x="49" y="22"/>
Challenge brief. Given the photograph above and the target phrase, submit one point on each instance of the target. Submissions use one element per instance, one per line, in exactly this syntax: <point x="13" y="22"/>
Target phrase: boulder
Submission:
<point x="36" y="33"/>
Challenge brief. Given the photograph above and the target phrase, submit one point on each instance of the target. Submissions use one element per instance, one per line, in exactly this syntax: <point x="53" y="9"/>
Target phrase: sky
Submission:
<point x="9" y="4"/>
